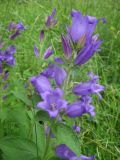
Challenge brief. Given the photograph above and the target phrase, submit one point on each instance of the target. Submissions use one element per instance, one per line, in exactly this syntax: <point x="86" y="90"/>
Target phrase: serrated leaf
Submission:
<point x="65" y="135"/>
<point x="14" y="148"/>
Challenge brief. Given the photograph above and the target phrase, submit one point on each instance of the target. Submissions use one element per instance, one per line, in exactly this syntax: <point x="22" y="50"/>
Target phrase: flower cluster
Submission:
<point x="79" y="45"/>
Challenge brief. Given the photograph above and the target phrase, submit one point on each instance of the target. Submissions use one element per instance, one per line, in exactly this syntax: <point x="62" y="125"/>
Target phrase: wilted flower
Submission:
<point x="89" y="87"/>
<point x="55" y="72"/>
<point x="66" y="46"/>
<point x="36" y="51"/>
<point x="53" y="102"/>
<point x="50" y="19"/>
<point x="65" y="153"/>
<point x="48" y="52"/>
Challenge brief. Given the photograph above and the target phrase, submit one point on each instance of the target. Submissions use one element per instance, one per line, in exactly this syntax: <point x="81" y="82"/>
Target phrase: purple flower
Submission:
<point x="7" y="56"/>
<point x="53" y="102"/>
<point x="80" y="107"/>
<point x="58" y="60"/>
<point x="14" y="35"/>
<point x="42" y="35"/>
<point x="6" y="75"/>
<point x="82" y="27"/>
<point x="16" y="29"/>
<point x="66" y="46"/>
<point x="55" y="72"/>
<point x="48" y="52"/>
<point x="50" y="19"/>
<point x="36" y="51"/>
<point x="76" y="128"/>
<point x="89" y="87"/>
<point x="41" y="84"/>
<point x="88" y="50"/>
<point x="65" y="153"/>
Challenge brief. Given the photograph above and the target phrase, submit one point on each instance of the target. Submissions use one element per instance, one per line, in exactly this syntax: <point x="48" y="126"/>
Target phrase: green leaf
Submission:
<point x="22" y="96"/>
<point x="14" y="148"/>
<point x="39" y="137"/>
<point x="54" y="158"/>
<point x="65" y="135"/>
<point x="42" y="116"/>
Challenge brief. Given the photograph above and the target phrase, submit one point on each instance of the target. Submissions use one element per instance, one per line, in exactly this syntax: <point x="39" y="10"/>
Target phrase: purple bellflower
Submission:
<point x="53" y="102"/>
<point x="48" y="52"/>
<point x="58" y="60"/>
<point x="76" y="128"/>
<point x="36" y="51"/>
<point x="89" y="87"/>
<point x="16" y="29"/>
<point x="78" y="108"/>
<point x="41" y="84"/>
<point x="88" y="50"/>
<point x="55" y="72"/>
<point x="50" y="19"/>
<point x="65" y="153"/>
<point x="66" y="46"/>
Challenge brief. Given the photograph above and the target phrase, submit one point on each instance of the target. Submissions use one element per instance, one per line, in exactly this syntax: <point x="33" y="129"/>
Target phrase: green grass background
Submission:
<point x="102" y="138"/>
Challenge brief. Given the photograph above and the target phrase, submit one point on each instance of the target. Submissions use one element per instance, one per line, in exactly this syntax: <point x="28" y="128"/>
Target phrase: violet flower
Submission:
<point x="78" y="108"/>
<point x="50" y="19"/>
<point x="88" y="50"/>
<point x="48" y="52"/>
<point x="53" y="102"/>
<point x="41" y="84"/>
<point x="58" y="60"/>
<point x="55" y="72"/>
<point x="89" y="87"/>
<point x="82" y="27"/>
<point x="66" y="46"/>
<point x="42" y="35"/>
<point x="76" y="128"/>
<point x="16" y="29"/>
<point x="65" y="153"/>
<point x="36" y="51"/>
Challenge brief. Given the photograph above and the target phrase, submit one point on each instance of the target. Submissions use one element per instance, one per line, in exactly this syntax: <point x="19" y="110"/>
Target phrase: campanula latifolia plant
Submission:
<point x="52" y="103"/>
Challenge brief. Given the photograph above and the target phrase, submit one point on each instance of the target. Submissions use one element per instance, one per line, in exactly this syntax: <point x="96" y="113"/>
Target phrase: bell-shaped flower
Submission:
<point x="65" y="153"/>
<point x="55" y="72"/>
<point x="89" y="87"/>
<point x="41" y="84"/>
<point x="53" y="102"/>
<point x="88" y="50"/>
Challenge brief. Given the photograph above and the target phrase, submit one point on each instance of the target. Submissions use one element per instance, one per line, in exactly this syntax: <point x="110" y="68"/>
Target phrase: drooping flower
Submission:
<point x="36" y="51"/>
<point x="78" y="108"/>
<point x="41" y="84"/>
<point x="42" y="35"/>
<point x="65" y="153"/>
<point x="55" y="72"/>
<point x="50" y="19"/>
<point x="88" y="50"/>
<point x="89" y="87"/>
<point x="48" y="52"/>
<point x="66" y="46"/>
<point x="53" y="102"/>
